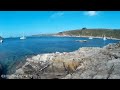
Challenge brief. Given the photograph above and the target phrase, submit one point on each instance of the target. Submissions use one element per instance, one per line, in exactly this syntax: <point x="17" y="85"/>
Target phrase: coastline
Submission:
<point x="84" y="37"/>
<point x="79" y="64"/>
<point x="74" y="36"/>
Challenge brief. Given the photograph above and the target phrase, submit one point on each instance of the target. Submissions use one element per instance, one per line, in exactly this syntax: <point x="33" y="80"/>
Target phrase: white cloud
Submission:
<point x="91" y="13"/>
<point x="57" y="14"/>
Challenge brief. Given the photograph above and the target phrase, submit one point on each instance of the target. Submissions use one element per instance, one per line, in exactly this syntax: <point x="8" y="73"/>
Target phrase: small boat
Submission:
<point x="90" y="38"/>
<point x="23" y="37"/>
<point x="1" y="41"/>
<point x="104" y="38"/>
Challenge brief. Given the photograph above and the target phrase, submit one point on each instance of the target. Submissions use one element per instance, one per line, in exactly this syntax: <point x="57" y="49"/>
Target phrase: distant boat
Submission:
<point x="1" y="41"/>
<point x="23" y="37"/>
<point x="104" y="38"/>
<point x="91" y="37"/>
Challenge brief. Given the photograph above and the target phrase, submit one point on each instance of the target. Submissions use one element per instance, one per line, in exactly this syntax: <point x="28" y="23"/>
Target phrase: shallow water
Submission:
<point x="13" y="49"/>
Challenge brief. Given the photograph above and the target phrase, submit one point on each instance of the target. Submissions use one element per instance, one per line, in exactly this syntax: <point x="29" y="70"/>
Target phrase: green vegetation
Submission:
<point x="114" y="33"/>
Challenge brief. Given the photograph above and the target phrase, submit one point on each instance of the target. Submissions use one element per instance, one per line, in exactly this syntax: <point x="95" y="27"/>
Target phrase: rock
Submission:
<point x="103" y="76"/>
<point x="115" y="61"/>
<point x="88" y="74"/>
<point x="112" y="46"/>
<point x="114" y="77"/>
<point x="36" y="58"/>
<point x="116" y="68"/>
<point x="19" y="71"/>
<point x="69" y="76"/>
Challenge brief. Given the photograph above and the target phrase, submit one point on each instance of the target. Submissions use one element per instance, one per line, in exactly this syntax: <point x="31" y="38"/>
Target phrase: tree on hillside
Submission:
<point x="60" y="33"/>
<point x="84" y="28"/>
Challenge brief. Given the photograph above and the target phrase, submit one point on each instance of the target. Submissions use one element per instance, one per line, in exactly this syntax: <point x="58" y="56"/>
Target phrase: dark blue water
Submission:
<point x="14" y="49"/>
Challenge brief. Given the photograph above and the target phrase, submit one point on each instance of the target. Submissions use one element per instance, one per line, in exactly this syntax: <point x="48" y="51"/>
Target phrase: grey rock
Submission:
<point x="103" y="76"/>
<point x="88" y="74"/>
<point x="114" y="77"/>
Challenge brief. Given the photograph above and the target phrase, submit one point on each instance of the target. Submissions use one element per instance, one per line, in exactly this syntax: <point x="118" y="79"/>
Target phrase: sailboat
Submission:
<point x="23" y="37"/>
<point x="1" y="40"/>
<point x="104" y="38"/>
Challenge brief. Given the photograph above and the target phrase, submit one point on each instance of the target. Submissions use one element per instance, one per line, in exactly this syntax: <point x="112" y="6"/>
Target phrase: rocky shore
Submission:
<point x="84" y="63"/>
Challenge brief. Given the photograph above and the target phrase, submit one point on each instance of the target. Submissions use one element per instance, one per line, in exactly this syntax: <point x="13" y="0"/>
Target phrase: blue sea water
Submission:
<point x="14" y="49"/>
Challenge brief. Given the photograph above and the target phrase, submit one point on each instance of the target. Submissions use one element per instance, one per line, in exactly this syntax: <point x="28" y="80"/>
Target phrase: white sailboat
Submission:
<point x="1" y="41"/>
<point x="104" y="38"/>
<point x="23" y="37"/>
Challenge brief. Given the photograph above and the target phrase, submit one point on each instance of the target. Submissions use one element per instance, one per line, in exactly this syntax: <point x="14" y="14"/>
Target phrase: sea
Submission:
<point x="14" y="50"/>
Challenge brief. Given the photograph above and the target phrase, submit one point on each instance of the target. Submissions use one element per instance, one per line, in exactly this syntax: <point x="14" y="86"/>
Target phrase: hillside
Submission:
<point x="0" y="37"/>
<point x="114" y="33"/>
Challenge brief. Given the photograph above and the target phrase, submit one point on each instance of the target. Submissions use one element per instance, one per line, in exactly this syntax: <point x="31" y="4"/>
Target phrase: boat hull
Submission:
<point x="1" y="41"/>
<point x="22" y="38"/>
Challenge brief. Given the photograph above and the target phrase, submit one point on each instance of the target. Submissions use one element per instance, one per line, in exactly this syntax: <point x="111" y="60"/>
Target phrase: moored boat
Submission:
<point x="1" y="41"/>
<point x="23" y="37"/>
<point x="104" y="38"/>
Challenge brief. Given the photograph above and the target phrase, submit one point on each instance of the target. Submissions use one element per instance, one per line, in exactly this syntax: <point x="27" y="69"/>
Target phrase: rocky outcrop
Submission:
<point x="46" y="66"/>
<point x="84" y="63"/>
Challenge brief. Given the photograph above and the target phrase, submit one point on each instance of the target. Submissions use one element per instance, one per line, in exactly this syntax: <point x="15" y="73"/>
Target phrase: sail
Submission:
<point x="23" y="37"/>
<point x="104" y="38"/>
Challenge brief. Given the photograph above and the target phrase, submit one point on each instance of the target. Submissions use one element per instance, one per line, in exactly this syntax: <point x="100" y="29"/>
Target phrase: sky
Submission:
<point x="15" y="23"/>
